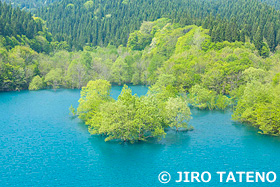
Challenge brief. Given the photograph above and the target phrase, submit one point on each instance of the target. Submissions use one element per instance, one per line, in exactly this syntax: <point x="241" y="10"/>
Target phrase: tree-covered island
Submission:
<point x="132" y="118"/>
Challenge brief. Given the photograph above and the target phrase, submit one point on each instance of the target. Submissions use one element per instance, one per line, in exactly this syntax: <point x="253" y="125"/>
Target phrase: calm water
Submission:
<point x="42" y="146"/>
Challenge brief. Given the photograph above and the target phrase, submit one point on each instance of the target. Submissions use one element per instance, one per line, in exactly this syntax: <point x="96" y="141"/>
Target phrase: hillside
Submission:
<point x="18" y="27"/>
<point x="94" y="23"/>
<point x="171" y="57"/>
<point x="273" y="3"/>
<point x="31" y="5"/>
<point x="158" y="47"/>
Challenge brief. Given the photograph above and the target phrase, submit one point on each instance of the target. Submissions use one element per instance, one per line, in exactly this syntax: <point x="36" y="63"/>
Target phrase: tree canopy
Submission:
<point x="171" y="57"/>
<point x="94" y="22"/>
<point x="31" y="5"/>
<point x="130" y="118"/>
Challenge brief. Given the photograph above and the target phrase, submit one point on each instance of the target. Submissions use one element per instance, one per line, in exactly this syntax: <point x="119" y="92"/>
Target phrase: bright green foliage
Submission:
<point x="76" y="74"/>
<point x="194" y="37"/>
<point x="92" y="96"/>
<point x="177" y="113"/>
<point x="20" y="28"/>
<point x="36" y="83"/>
<point x="259" y="106"/>
<point x="12" y="77"/>
<point x="268" y="118"/>
<point x="89" y="4"/>
<point x="222" y="102"/>
<point x="202" y="98"/>
<point x="120" y="71"/>
<point x="112" y="21"/>
<point x="176" y="60"/>
<point x="125" y="2"/>
<point x="130" y="118"/>
<point x="225" y="75"/>
<point x="54" y="78"/>
<point x="254" y="94"/>
<point x="229" y="54"/>
<point x="138" y="40"/>
<point x="72" y="110"/>
<point x="276" y="79"/>
<point x="265" y="51"/>
<point x="206" y="99"/>
<point x="184" y="53"/>
<point x="252" y="74"/>
<point x="164" y="87"/>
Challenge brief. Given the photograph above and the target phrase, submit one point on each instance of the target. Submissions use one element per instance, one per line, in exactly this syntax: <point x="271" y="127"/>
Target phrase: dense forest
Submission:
<point x="20" y="28"/>
<point x="174" y="59"/>
<point x="100" y="23"/>
<point x="183" y="59"/>
<point x="15" y="22"/>
<point x="223" y="54"/>
<point x="132" y="118"/>
<point x="31" y="5"/>
<point x="273" y="3"/>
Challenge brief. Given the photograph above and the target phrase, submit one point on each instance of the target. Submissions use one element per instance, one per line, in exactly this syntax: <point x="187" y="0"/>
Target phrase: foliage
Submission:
<point x="259" y="106"/>
<point x="138" y="40"/>
<point x="111" y="22"/>
<point x="92" y="96"/>
<point x="21" y="28"/>
<point x="208" y="49"/>
<point x="206" y="99"/>
<point x="177" y="112"/>
<point x="129" y="118"/>
<point x="31" y="5"/>
<point x="273" y="3"/>
<point x="178" y="60"/>
<point x="54" y="78"/>
<point x="36" y="83"/>
<point x="72" y="111"/>
<point x="175" y="53"/>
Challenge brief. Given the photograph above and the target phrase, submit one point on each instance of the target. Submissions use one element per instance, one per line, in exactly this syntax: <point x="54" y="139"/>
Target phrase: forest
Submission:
<point x="30" y="5"/>
<point x="33" y="5"/>
<point x="211" y="59"/>
<point x="219" y="76"/>
<point x="21" y="28"/>
<point x="273" y="3"/>
<point x="132" y="118"/>
<point x="94" y="23"/>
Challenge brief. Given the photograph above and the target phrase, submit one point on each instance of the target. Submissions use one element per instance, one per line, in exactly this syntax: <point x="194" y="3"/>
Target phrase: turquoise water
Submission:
<point x="42" y="146"/>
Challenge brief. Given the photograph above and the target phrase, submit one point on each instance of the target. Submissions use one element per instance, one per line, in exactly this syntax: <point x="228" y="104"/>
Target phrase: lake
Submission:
<point x="41" y="145"/>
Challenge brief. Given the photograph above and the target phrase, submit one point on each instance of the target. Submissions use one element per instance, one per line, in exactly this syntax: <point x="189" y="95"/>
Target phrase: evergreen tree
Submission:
<point x="112" y="21"/>
<point x="258" y="39"/>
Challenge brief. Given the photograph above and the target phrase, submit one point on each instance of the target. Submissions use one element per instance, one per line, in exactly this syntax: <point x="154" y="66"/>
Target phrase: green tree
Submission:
<point x="177" y="113"/>
<point x="54" y="78"/>
<point x="265" y="51"/>
<point x="129" y="118"/>
<point x="253" y="74"/>
<point x="202" y="98"/>
<point x="36" y="83"/>
<point x="258" y="39"/>
<point x="92" y="96"/>
<point x="76" y="74"/>
<point x="259" y="106"/>
<point x="222" y="102"/>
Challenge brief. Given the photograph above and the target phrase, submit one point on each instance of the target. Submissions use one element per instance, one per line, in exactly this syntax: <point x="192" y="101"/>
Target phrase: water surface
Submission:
<point x="42" y="146"/>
